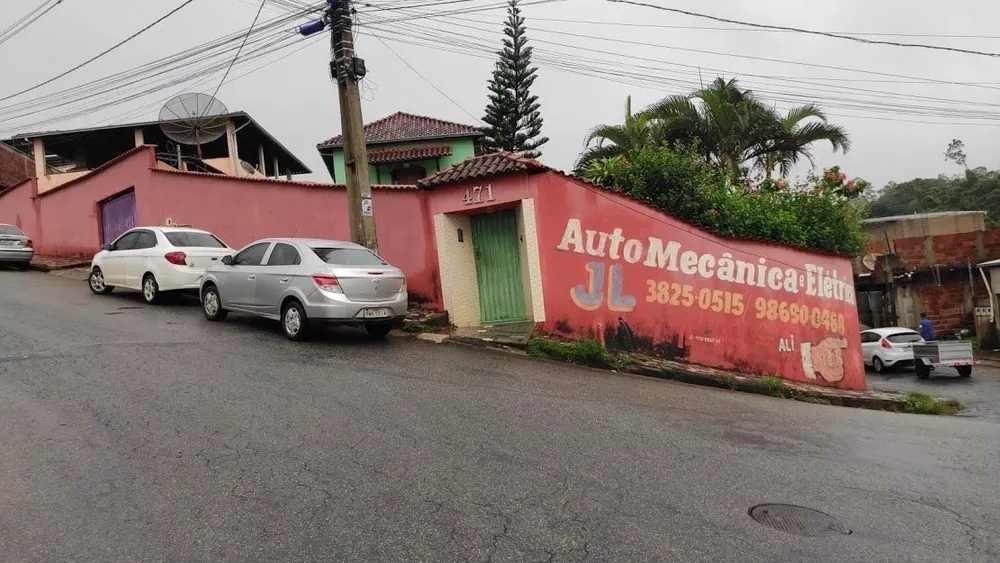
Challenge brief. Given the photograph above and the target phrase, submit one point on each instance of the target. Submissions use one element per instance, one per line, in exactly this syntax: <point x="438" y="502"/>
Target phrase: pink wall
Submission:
<point x="19" y="207"/>
<point x="601" y="278"/>
<point x="242" y="210"/>
<point x="463" y="197"/>
<point x="66" y="221"/>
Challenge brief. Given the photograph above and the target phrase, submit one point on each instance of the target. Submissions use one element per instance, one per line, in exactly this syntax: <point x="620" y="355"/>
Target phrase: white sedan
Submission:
<point x="155" y="260"/>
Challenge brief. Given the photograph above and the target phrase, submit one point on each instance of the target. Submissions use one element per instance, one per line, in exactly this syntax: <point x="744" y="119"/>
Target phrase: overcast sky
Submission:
<point x="295" y="100"/>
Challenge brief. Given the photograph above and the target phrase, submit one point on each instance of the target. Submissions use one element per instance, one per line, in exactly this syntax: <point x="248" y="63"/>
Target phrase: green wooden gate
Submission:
<point x="498" y="267"/>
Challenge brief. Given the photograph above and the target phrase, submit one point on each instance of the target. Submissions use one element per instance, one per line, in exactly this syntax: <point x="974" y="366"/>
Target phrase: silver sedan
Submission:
<point x="15" y="247"/>
<point x="301" y="281"/>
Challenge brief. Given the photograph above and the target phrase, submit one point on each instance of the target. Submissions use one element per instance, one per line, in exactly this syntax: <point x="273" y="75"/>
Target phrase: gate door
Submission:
<point x="117" y="216"/>
<point x="498" y="267"/>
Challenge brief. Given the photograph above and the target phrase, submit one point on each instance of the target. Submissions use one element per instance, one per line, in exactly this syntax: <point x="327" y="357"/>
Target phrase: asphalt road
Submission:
<point x="130" y="433"/>
<point x="979" y="394"/>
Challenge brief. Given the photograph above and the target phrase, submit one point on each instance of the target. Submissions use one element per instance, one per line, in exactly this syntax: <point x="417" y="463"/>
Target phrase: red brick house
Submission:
<point x="15" y="167"/>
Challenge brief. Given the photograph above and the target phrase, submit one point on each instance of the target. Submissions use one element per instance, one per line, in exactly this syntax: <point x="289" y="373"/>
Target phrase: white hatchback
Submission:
<point x="155" y="260"/>
<point x="884" y="348"/>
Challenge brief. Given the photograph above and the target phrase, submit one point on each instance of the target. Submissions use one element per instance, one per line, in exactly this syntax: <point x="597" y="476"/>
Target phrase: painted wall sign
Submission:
<point x="647" y="282"/>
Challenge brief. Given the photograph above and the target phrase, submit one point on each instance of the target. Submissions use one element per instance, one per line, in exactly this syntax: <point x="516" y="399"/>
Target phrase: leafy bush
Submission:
<point x="918" y="403"/>
<point x="817" y="214"/>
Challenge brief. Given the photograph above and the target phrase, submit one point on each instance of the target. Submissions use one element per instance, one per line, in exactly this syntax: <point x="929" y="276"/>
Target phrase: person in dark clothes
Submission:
<point x="926" y="328"/>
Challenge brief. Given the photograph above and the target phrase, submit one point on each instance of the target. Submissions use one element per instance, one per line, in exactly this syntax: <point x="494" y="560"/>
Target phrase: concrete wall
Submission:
<point x="963" y="222"/>
<point x="67" y="219"/>
<point x="604" y="277"/>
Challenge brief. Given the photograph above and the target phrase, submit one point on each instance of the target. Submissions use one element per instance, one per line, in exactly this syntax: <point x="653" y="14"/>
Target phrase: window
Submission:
<point x="251" y="256"/>
<point x="146" y="239"/>
<point x="904" y="338"/>
<point x="11" y="230"/>
<point x="870" y="337"/>
<point x="127" y="241"/>
<point x="193" y="239"/>
<point x="349" y="257"/>
<point x="284" y="255"/>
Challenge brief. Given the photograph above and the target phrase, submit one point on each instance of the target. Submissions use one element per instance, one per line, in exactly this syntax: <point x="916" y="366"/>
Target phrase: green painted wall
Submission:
<point x="461" y="149"/>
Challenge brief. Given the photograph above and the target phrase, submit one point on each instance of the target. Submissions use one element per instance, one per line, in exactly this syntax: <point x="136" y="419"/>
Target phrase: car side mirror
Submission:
<point x="227" y="260"/>
<point x="107" y="247"/>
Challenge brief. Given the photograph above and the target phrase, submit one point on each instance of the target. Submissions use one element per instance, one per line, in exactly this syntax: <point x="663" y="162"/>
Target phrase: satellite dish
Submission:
<point x="193" y="119"/>
<point x="248" y="168"/>
<point x="869" y="262"/>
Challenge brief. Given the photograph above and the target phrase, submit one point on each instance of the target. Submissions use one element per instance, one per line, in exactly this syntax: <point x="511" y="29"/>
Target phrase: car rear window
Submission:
<point x="904" y="338"/>
<point x="348" y="257"/>
<point x="191" y="239"/>
<point x="10" y="230"/>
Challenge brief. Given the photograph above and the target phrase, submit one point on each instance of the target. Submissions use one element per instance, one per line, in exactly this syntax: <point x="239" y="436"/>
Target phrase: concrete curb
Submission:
<point x="733" y="382"/>
<point x="48" y="268"/>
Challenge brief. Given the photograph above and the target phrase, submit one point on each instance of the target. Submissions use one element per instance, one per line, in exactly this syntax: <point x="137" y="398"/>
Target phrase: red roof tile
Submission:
<point x="407" y="127"/>
<point x="482" y="166"/>
<point x="401" y="154"/>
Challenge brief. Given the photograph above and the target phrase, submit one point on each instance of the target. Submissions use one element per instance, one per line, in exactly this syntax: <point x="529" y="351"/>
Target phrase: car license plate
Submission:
<point x="379" y="313"/>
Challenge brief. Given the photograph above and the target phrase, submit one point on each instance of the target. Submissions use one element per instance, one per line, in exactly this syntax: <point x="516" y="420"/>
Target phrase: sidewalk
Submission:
<point x="44" y="263"/>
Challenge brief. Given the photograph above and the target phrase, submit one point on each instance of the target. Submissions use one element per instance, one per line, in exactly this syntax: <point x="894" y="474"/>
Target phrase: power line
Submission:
<point x="30" y="18"/>
<point x="422" y="77"/>
<point x="99" y="55"/>
<point x="245" y="37"/>
<point x="808" y="31"/>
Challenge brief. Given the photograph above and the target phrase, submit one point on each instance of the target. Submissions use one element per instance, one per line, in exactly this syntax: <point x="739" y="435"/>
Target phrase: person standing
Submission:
<point x="926" y="328"/>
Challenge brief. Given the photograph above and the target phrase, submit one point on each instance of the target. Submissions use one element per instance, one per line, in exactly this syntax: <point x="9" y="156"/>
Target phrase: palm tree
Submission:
<point x="616" y="140"/>
<point x="731" y="128"/>
<point x="802" y="126"/>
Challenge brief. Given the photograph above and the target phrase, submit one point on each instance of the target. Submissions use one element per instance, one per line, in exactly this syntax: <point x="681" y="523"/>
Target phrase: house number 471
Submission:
<point x="475" y="195"/>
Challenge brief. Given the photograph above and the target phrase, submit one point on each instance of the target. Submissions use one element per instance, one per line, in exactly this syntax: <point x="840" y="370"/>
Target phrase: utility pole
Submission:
<point x="347" y="69"/>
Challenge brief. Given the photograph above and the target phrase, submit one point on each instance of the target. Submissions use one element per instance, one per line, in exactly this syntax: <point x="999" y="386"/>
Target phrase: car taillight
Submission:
<point x="886" y="343"/>
<point x="327" y="282"/>
<point x="402" y="286"/>
<point x="177" y="258"/>
<point x="30" y="243"/>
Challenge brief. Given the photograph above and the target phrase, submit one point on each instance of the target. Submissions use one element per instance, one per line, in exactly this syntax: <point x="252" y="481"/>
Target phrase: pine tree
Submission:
<point x="513" y="116"/>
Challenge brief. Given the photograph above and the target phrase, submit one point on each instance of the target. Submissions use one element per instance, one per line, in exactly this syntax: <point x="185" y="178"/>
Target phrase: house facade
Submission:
<point x="403" y="148"/>
<point x="925" y="263"/>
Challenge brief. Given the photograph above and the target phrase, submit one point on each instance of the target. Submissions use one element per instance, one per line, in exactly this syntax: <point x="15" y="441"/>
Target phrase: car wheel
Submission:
<point x="211" y="305"/>
<point x="97" y="283"/>
<point x="378" y="331"/>
<point x="294" y="323"/>
<point x="150" y="289"/>
<point x="964" y="371"/>
<point x="878" y="365"/>
<point x="923" y="370"/>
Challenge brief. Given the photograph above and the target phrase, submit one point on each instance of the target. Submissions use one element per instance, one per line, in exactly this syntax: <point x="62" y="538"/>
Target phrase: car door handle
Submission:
<point x="283" y="280"/>
<point x="251" y="277"/>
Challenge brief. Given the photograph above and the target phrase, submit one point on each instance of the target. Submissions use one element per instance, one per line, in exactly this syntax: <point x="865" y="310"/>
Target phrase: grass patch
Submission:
<point x="775" y="385"/>
<point x="414" y="328"/>
<point x="582" y="352"/>
<point x="918" y="403"/>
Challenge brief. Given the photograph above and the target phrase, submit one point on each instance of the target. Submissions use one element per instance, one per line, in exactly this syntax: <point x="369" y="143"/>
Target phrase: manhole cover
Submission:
<point x="797" y="520"/>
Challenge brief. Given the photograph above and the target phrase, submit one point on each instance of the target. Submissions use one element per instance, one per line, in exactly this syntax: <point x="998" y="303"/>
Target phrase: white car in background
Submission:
<point x="885" y="348"/>
<point x="156" y="260"/>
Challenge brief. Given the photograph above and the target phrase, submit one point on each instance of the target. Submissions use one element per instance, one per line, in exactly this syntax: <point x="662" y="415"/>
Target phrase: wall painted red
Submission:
<point x="603" y="276"/>
<point x="19" y="207"/>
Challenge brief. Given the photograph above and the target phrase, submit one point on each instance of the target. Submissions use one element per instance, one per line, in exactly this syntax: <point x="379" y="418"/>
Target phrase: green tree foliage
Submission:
<point x="513" y="115"/>
<point x="728" y="126"/>
<point x="977" y="189"/>
<point x="818" y="214"/>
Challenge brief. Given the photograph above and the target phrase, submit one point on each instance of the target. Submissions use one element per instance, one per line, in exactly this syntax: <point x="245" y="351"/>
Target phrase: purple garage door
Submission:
<point x="117" y="216"/>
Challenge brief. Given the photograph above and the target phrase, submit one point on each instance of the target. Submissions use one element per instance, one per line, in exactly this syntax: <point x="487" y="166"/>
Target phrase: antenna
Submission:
<point x="193" y="119"/>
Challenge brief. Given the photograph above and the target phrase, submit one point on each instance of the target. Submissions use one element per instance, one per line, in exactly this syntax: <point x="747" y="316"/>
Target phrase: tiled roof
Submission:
<point x="407" y="127"/>
<point x="481" y="166"/>
<point x="402" y="154"/>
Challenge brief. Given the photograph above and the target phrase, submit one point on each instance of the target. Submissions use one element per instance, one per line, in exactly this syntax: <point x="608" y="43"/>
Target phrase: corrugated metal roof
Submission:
<point x="918" y="216"/>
